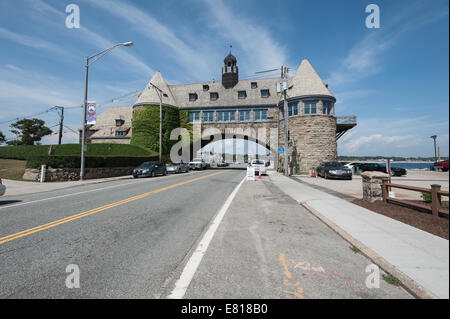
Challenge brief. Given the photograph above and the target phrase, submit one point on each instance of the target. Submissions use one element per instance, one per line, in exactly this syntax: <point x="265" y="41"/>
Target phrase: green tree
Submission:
<point x="2" y="138"/>
<point x="29" y="131"/>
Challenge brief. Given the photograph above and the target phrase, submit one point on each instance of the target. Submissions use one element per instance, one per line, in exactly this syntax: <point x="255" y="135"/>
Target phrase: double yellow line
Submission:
<point x="55" y="223"/>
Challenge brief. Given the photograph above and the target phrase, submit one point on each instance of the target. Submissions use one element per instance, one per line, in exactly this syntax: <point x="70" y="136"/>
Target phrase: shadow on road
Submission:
<point x="6" y="202"/>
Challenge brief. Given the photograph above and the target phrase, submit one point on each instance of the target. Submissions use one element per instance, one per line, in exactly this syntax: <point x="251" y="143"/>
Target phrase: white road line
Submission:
<point x="190" y="269"/>
<point x="71" y="194"/>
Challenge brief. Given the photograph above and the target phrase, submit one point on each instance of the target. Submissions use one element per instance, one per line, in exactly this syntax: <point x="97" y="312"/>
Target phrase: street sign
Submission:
<point x="250" y="173"/>
<point x="281" y="150"/>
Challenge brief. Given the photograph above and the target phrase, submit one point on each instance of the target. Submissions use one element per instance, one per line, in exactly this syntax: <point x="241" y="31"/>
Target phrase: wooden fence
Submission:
<point x="435" y="191"/>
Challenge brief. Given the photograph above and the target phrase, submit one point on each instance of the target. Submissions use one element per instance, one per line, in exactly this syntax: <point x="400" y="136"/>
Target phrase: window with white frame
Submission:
<point x="208" y="116"/>
<point x="226" y="116"/>
<point x="244" y="116"/>
<point x="260" y="114"/>
<point x="310" y="107"/>
<point x="194" y="116"/>
<point x="121" y="133"/>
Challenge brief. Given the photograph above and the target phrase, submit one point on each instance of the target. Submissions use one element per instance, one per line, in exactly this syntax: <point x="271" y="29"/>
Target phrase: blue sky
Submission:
<point x="395" y="78"/>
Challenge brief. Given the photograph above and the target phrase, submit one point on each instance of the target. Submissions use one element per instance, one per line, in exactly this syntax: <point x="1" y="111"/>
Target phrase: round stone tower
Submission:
<point x="312" y="124"/>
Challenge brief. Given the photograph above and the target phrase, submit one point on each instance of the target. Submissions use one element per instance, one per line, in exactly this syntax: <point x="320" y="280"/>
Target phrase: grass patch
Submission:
<point x="355" y="249"/>
<point x="12" y="169"/>
<point x="391" y="280"/>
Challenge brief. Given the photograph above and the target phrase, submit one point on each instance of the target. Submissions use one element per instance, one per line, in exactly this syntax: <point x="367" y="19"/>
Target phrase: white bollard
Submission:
<point x="42" y="173"/>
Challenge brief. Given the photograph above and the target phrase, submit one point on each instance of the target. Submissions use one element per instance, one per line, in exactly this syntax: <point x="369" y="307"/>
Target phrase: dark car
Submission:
<point x="334" y="170"/>
<point x="148" y="169"/>
<point x="377" y="167"/>
<point x="222" y="164"/>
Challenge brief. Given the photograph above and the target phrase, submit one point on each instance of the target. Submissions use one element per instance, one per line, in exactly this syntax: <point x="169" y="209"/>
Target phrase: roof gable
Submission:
<point x="150" y="94"/>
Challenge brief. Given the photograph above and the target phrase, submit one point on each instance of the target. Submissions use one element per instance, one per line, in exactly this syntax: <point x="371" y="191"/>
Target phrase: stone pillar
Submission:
<point x="372" y="185"/>
<point x="320" y="107"/>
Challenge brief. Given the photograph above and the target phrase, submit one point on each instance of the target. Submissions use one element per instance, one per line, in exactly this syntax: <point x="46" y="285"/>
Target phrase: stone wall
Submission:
<point x="315" y="139"/>
<point x="73" y="174"/>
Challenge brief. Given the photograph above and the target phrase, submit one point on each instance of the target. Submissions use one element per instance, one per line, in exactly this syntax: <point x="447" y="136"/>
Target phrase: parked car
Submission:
<point x="177" y="168"/>
<point x="443" y="166"/>
<point x="334" y="170"/>
<point x="222" y="164"/>
<point x="2" y="188"/>
<point x="148" y="169"/>
<point x="378" y="167"/>
<point x="197" y="163"/>
<point x="260" y="166"/>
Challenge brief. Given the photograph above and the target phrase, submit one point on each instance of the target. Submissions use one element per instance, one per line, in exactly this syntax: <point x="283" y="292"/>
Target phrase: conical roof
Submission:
<point x="306" y="82"/>
<point x="150" y="95"/>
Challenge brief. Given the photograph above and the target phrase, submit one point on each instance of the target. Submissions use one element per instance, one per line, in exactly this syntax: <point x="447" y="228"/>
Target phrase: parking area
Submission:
<point x="351" y="189"/>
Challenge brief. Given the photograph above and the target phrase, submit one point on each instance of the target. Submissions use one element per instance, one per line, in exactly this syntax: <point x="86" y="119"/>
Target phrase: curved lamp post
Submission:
<point x="94" y="59"/>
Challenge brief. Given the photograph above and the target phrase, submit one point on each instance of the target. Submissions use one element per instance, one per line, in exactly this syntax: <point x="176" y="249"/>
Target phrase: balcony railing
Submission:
<point x="346" y="120"/>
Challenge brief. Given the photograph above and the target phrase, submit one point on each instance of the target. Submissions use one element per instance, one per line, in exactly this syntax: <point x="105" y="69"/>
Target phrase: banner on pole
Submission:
<point x="91" y="112"/>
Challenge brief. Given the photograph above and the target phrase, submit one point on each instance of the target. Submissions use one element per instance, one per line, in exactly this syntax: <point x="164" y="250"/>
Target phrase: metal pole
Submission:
<point x="83" y="132"/>
<point x="160" y="127"/>
<point x="286" y="130"/>
<point x="435" y="154"/>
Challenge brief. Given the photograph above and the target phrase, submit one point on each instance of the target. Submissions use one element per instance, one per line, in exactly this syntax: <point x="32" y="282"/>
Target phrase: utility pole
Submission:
<point x="286" y="125"/>
<point x="61" y="122"/>
<point x="160" y="95"/>
<point x="435" y="154"/>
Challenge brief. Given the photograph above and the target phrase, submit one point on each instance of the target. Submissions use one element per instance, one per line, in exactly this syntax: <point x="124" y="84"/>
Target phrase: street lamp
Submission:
<point x="160" y="95"/>
<point x="94" y="59"/>
<point x="435" y="154"/>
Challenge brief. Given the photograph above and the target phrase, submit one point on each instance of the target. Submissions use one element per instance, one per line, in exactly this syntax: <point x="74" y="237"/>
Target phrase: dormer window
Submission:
<point x="213" y="96"/>
<point x="242" y="94"/>
<point x="254" y="85"/>
<point x="193" y="97"/>
<point x="119" y="122"/>
<point x="205" y="87"/>
<point x="265" y="93"/>
<point x="165" y="95"/>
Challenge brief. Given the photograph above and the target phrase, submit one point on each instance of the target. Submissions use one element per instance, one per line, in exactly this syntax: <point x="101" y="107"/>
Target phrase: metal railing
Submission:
<point x="346" y="120"/>
<point x="435" y="191"/>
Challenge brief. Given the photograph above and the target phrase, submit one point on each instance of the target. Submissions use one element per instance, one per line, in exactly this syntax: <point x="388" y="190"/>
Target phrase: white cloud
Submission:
<point x="261" y="50"/>
<point x="32" y="42"/>
<point x="51" y="16"/>
<point x="364" y="58"/>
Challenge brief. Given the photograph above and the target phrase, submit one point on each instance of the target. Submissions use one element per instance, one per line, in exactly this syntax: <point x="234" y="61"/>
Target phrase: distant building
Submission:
<point x="112" y="126"/>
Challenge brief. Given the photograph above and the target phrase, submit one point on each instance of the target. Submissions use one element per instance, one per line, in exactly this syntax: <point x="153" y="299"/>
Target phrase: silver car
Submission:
<point x="177" y="168"/>
<point x="2" y="188"/>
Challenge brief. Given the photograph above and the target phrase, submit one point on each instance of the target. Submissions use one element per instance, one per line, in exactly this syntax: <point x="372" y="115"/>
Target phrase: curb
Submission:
<point x="409" y="284"/>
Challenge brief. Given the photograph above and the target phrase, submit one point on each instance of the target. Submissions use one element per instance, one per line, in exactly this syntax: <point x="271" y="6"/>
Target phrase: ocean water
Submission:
<point x="408" y="165"/>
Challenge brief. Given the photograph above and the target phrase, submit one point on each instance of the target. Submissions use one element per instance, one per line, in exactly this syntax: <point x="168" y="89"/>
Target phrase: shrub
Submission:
<point x="26" y="152"/>
<point x="91" y="161"/>
<point x="426" y="197"/>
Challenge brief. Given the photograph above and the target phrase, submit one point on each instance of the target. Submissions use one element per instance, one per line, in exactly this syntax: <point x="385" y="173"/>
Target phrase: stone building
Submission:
<point x="255" y="104"/>
<point x="112" y="126"/>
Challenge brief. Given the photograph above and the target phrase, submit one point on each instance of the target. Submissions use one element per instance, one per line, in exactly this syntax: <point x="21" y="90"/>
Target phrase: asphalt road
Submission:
<point x="127" y="237"/>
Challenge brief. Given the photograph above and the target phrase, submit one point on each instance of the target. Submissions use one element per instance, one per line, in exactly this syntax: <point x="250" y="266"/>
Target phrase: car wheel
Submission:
<point x="165" y="173"/>
<point x="326" y="175"/>
<point x="153" y="173"/>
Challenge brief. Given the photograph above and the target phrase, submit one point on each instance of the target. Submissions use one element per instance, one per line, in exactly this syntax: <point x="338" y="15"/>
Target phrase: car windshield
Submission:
<point x="258" y="162"/>
<point x="147" y="164"/>
<point x="333" y="164"/>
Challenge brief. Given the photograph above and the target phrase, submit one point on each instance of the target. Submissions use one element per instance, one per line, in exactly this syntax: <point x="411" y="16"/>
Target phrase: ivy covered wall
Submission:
<point x="146" y="127"/>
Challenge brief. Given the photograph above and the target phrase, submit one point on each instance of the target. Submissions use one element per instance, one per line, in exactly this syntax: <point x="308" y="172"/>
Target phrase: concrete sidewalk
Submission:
<point x="419" y="259"/>
<point x="15" y="188"/>
<point x="268" y="246"/>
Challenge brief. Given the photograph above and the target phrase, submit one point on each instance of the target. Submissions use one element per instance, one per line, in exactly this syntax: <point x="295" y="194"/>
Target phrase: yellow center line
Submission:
<point x="55" y="223"/>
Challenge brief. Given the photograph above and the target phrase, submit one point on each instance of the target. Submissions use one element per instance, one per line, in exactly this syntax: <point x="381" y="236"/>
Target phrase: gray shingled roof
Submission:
<point x="305" y="82"/>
